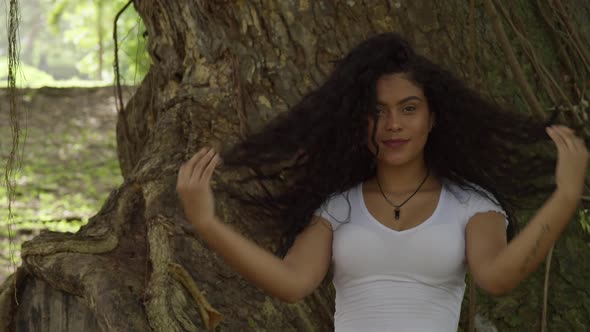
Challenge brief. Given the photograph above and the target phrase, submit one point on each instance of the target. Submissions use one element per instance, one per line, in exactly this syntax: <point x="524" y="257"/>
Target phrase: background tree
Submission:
<point x="71" y="40"/>
<point x="220" y="70"/>
<point x="89" y="26"/>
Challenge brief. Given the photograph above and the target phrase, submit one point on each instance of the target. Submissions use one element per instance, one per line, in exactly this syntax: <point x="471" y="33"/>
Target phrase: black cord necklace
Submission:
<point x="397" y="210"/>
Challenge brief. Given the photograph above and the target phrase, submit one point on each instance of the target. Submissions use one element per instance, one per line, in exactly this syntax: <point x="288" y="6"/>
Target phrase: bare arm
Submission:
<point x="304" y="266"/>
<point x="289" y="280"/>
<point x="498" y="267"/>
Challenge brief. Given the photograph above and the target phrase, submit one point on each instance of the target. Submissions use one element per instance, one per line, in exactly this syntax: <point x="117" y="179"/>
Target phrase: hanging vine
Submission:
<point x="14" y="161"/>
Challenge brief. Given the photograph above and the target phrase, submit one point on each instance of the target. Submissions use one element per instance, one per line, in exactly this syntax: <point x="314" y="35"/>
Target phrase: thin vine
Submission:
<point x="120" y="105"/>
<point x="14" y="162"/>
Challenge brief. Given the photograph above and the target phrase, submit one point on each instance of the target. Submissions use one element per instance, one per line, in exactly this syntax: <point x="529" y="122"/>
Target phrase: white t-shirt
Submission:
<point x="400" y="281"/>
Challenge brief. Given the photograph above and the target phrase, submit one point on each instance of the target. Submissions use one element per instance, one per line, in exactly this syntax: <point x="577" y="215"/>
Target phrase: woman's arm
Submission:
<point x="498" y="267"/>
<point x="289" y="280"/>
<point x="304" y="266"/>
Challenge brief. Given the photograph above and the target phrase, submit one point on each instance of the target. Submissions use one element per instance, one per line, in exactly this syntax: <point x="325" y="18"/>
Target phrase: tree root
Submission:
<point x="211" y="317"/>
<point x="58" y="242"/>
<point x="167" y="277"/>
<point x="156" y="306"/>
<point x="108" y="288"/>
<point x="53" y="242"/>
<point x="68" y="263"/>
<point x="56" y="258"/>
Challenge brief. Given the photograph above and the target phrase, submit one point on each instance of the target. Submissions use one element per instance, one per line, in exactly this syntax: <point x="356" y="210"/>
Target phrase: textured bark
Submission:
<point x="222" y="69"/>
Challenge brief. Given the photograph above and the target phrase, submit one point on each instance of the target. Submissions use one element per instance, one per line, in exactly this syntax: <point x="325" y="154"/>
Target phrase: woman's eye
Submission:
<point x="409" y="108"/>
<point x="379" y="111"/>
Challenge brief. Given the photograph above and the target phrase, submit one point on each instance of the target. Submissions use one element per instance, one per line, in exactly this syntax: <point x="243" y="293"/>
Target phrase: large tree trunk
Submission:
<point x="222" y="69"/>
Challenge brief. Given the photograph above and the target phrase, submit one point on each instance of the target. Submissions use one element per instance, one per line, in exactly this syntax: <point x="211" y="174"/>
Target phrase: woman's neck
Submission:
<point x="405" y="178"/>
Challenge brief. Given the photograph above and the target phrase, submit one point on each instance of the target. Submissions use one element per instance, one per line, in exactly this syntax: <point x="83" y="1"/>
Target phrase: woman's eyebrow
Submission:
<point x="408" y="99"/>
<point x="382" y="103"/>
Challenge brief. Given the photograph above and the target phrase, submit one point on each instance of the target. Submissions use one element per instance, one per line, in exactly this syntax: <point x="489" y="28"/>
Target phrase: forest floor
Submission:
<point x="69" y="163"/>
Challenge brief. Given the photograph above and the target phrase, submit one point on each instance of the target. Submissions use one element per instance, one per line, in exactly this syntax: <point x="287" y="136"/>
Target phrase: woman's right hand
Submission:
<point x="572" y="161"/>
<point x="194" y="189"/>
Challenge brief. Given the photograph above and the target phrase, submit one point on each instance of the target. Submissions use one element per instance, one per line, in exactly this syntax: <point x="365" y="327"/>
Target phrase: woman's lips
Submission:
<point x="395" y="143"/>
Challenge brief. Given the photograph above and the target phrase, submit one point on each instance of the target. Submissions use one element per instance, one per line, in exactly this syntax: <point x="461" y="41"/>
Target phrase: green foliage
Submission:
<point x="62" y="38"/>
<point x="89" y="24"/>
<point x="27" y="74"/>
<point x="31" y="77"/>
<point x="55" y="15"/>
<point x="584" y="218"/>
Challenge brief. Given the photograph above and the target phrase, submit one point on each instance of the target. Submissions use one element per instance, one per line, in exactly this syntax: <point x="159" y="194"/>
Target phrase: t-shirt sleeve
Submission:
<point x="336" y="210"/>
<point x="478" y="203"/>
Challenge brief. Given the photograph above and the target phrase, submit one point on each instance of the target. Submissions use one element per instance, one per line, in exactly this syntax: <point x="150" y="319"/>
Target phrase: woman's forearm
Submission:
<point x="529" y="248"/>
<point x="255" y="264"/>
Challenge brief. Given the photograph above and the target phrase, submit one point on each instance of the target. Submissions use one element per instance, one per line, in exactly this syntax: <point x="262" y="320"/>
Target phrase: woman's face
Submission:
<point x="403" y="121"/>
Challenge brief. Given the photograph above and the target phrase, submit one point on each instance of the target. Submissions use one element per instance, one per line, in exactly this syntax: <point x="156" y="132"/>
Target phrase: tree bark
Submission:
<point x="221" y="70"/>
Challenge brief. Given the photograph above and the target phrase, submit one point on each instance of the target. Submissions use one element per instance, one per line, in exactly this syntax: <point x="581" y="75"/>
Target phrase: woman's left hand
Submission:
<point x="572" y="161"/>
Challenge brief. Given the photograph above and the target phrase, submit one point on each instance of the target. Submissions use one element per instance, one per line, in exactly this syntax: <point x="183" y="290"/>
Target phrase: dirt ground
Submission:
<point x="69" y="163"/>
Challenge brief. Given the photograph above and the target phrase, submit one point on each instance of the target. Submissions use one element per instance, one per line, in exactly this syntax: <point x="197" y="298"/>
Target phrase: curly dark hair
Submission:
<point x="319" y="147"/>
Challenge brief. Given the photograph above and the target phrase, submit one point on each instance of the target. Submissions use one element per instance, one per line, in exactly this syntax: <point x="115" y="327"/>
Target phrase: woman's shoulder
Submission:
<point x="341" y="198"/>
<point x="338" y="206"/>
<point x="469" y="193"/>
<point x="473" y="198"/>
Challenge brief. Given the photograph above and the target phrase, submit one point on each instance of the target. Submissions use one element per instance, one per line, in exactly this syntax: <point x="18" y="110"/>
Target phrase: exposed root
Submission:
<point x="211" y="317"/>
<point x="59" y="242"/>
<point x="66" y="262"/>
<point x="54" y="242"/>
<point x="164" y="293"/>
<point x="109" y="289"/>
<point x="157" y="307"/>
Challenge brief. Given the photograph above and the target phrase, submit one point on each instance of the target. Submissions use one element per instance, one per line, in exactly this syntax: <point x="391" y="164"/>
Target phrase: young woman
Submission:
<point x="402" y="178"/>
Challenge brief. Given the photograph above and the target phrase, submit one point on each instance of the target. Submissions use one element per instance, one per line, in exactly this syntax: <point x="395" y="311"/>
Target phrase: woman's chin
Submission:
<point x="393" y="161"/>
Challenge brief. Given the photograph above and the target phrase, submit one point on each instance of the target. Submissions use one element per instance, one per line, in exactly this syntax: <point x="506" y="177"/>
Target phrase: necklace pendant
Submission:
<point x="397" y="213"/>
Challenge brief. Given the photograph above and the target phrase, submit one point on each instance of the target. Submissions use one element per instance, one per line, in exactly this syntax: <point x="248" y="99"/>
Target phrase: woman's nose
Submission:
<point x="392" y="122"/>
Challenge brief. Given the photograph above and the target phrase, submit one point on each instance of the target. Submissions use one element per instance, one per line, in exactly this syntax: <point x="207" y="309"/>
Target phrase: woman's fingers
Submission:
<point x="569" y="137"/>
<point x="194" y="161"/>
<point x="568" y="142"/>
<point x="187" y="169"/>
<point x="210" y="168"/>
<point x="572" y="161"/>
<point x="575" y="142"/>
<point x="184" y="172"/>
<point x="200" y="165"/>
<point x="565" y="137"/>
<point x="556" y="137"/>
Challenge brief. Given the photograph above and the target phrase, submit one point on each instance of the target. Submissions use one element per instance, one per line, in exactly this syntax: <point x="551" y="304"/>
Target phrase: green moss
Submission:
<point x="252" y="323"/>
<point x="298" y="307"/>
<point x="268" y="308"/>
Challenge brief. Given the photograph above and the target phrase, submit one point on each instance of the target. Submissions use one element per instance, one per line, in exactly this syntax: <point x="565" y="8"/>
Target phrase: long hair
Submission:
<point x="320" y="146"/>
